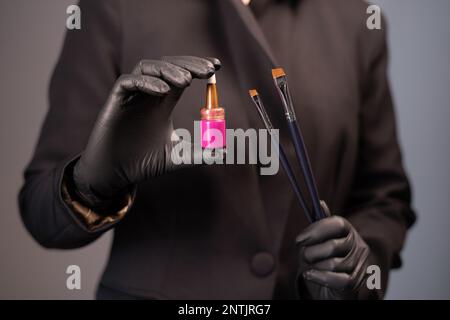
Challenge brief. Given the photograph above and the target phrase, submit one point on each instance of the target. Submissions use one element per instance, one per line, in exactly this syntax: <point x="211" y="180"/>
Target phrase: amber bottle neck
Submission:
<point x="212" y="101"/>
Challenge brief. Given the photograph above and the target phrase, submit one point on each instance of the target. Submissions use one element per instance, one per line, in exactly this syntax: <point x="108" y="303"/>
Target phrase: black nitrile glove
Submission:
<point x="131" y="140"/>
<point x="333" y="260"/>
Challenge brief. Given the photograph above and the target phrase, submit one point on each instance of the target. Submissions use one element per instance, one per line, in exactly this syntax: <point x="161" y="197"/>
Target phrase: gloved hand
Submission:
<point x="131" y="139"/>
<point x="333" y="260"/>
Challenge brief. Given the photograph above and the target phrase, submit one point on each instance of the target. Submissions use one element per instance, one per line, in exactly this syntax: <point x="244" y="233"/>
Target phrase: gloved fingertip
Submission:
<point x="308" y="274"/>
<point x="210" y="73"/>
<point x="301" y="238"/>
<point x="216" y="62"/>
<point x="325" y="208"/>
<point x="164" y="88"/>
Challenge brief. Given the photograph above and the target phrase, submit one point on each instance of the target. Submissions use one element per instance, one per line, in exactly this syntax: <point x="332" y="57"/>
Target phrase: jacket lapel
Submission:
<point x="244" y="19"/>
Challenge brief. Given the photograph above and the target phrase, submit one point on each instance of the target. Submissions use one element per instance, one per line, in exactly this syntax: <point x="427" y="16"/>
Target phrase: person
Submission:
<point x="220" y="231"/>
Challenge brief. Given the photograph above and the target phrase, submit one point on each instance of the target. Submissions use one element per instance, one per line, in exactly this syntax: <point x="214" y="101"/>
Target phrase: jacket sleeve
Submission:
<point x="379" y="205"/>
<point x="87" y="69"/>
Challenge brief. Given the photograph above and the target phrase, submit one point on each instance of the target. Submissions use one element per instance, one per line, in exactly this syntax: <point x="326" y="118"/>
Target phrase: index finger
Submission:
<point x="201" y="68"/>
<point x="323" y="230"/>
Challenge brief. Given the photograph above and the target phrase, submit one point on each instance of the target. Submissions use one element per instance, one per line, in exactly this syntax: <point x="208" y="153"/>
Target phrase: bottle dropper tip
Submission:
<point x="212" y="79"/>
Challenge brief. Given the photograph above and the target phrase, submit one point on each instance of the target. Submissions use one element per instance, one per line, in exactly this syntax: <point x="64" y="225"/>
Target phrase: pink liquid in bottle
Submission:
<point x="213" y="133"/>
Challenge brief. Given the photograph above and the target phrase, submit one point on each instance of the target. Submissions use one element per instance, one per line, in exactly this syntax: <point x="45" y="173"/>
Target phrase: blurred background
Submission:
<point x="31" y="34"/>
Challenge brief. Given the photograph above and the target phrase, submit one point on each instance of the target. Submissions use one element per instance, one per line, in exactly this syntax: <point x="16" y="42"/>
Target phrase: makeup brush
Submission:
<point x="281" y="154"/>
<point x="280" y="79"/>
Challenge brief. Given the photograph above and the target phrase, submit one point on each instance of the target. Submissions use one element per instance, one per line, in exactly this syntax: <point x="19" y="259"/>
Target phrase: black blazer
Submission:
<point x="225" y="231"/>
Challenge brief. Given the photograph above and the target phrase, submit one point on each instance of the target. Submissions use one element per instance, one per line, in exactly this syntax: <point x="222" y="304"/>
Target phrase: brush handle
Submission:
<point x="281" y="154"/>
<point x="290" y="173"/>
<point x="305" y="165"/>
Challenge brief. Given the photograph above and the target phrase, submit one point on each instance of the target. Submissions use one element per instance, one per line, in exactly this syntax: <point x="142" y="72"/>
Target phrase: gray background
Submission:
<point x="31" y="34"/>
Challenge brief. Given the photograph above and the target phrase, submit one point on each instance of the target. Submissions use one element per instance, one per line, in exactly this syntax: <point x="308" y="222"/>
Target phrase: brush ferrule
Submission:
<point x="290" y="117"/>
<point x="263" y="113"/>
<point x="286" y="98"/>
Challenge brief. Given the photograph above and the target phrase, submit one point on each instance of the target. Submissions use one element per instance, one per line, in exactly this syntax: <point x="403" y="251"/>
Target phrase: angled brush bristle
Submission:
<point x="278" y="72"/>
<point x="253" y="92"/>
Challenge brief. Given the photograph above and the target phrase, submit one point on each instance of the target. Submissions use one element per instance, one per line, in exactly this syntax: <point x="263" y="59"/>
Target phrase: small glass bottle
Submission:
<point x="212" y="128"/>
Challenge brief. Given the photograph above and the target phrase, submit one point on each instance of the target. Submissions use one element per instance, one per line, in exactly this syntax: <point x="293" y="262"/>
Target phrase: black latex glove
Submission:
<point x="333" y="260"/>
<point x="131" y="139"/>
